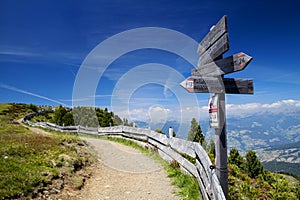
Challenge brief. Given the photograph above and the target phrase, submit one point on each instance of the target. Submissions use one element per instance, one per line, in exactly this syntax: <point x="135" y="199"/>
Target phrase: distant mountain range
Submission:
<point x="247" y="133"/>
<point x="274" y="136"/>
<point x="281" y="158"/>
<point x="263" y="130"/>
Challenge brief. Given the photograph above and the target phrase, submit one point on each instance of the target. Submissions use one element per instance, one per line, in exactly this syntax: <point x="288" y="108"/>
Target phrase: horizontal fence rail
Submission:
<point x="191" y="156"/>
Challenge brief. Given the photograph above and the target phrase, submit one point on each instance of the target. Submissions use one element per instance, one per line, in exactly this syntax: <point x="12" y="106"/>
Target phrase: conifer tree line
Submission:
<point x="87" y="116"/>
<point x="250" y="165"/>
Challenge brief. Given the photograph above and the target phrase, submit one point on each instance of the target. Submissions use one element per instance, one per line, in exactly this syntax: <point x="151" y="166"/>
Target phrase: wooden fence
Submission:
<point x="169" y="149"/>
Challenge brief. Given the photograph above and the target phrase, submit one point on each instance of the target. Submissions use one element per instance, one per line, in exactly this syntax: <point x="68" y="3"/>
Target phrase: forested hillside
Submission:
<point x="83" y="116"/>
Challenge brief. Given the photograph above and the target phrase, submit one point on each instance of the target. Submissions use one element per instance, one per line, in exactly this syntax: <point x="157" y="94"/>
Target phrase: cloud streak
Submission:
<point x="8" y="87"/>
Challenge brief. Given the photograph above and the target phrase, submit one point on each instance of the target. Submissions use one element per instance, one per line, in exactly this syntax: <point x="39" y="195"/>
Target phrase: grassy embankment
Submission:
<point x="33" y="164"/>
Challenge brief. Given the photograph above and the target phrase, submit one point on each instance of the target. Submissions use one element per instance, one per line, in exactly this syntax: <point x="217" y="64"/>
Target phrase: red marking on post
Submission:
<point x="240" y="55"/>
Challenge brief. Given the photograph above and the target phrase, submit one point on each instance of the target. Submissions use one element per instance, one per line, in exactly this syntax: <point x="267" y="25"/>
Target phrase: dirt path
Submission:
<point x="124" y="173"/>
<point x="35" y="130"/>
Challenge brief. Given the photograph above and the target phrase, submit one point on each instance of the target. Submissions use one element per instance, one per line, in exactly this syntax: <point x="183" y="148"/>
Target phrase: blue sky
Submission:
<point x="43" y="44"/>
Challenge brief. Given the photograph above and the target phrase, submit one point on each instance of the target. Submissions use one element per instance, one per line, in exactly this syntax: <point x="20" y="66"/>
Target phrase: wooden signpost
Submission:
<point x="218" y="85"/>
<point x="216" y="50"/>
<point x="214" y="35"/>
<point x="208" y="77"/>
<point x="231" y="64"/>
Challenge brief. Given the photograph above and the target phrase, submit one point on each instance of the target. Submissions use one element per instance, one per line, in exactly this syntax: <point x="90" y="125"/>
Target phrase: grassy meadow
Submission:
<point x="32" y="163"/>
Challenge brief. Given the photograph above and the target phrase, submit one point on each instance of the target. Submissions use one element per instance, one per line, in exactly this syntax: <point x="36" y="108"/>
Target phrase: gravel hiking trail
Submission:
<point x="35" y="130"/>
<point x="124" y="173"/>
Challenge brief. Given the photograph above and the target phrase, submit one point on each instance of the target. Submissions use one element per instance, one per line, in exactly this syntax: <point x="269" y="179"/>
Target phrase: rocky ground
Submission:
<point x="123" y="173"/>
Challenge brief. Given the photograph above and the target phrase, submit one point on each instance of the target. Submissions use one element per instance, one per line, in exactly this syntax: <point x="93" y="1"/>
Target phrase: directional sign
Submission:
<point x="234" y="63"/>
<point x="208" y="78"/>
<point x="219" y="29"/>
<point x="218" y="85"/>
<point x="217" y="49"/>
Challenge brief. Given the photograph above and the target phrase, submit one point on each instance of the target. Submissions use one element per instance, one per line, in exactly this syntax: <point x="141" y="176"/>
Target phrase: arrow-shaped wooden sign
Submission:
<point x="234" y="63"/>
<point x="218" y="85"/>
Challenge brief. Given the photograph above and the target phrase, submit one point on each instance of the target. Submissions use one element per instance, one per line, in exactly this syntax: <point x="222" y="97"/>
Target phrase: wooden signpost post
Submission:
<point x="208" y="77"/>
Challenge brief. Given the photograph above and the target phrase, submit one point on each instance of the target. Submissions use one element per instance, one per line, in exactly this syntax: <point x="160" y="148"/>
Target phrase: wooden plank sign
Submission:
<point x="216" y="50"/>
<point x="218" y="85"/>
<point x="218" y="30"/>
<point x="234" y="63"/>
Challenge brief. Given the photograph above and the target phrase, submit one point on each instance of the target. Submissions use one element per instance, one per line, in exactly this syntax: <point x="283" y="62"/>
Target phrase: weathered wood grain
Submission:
<point x="219" y="29"/>
<point x="218" y="85"/>
<point x="136" y="136"/>
<point x="203" y="191"/>
<point x="216" y="50"/>
<point x="165" y="156"/>
<point x="159" y="137"/>
<point x="231" y="64"/>
<point x="183" y="146"/>
<point x="202" y="173"/>
<point x="202" y="155"/>
<point x="217" y="189"/>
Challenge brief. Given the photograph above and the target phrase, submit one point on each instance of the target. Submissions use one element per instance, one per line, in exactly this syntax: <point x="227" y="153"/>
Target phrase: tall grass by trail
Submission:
<point x="29" y="161"/>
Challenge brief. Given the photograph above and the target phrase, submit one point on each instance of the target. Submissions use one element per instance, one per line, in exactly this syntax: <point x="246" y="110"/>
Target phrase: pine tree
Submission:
<point x="117" y="120"/>
<point x="235" y="158"/>
<point x="59" y="114"/>
<point x="32" y="107"/>
<point x="195" y="133"/>
<point x="67" y="119"/>
<point x="211" y="148"/>
<point x="252" y="165"/>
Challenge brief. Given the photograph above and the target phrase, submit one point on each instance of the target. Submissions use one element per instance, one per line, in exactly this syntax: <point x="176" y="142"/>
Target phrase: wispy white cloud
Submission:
<point x="75" y="100"/>
<point x="34" y="55"/>
<point x="242" y="110"/>
<point x="153" y="114"/>
<point x="159" y="113"/>
<point x="8" y="87"/>
<point x="18" y="53"/>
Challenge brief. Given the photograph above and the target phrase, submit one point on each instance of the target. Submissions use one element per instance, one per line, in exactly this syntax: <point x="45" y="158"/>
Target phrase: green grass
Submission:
<point x="4" y="107"/>
<point x="267" y="186"/>
<point x="188" y="186"/>
<point x="28" y="160"/>
<point x="46" y="117"/>
<point x="13" y="111"/>
<point x="77" y="182"/>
